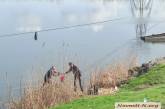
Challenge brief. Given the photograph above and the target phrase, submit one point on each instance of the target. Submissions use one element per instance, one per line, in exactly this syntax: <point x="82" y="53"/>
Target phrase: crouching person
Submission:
<point x="51" y="72"/>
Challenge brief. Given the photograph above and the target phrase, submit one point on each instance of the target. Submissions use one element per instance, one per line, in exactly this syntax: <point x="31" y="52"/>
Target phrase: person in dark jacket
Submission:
<point x="77" y="75"/>
<point x="51" y="72"/>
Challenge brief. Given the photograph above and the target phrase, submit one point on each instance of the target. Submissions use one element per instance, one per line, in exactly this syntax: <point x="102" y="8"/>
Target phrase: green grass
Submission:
<point x="150" y="86"/>
<point x="155" y="76"/>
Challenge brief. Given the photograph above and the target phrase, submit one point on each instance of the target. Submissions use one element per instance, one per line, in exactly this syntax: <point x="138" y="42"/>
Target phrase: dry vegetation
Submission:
<point x="44" y="97"/>
<point x="114" y="74"/>
<point x="40" y="97"/>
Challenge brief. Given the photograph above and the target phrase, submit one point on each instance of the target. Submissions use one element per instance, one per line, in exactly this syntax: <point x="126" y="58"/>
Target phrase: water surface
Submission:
<point x="21" y="56"/>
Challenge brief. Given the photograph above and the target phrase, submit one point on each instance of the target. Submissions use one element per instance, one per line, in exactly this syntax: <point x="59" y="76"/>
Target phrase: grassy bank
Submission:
<point x="150" y="86"/>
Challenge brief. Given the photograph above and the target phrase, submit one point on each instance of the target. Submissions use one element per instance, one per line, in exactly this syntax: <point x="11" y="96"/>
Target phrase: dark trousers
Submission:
<point x="77" y="76"/>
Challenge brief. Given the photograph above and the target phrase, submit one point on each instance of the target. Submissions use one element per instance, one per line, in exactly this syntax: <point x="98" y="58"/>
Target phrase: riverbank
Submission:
<point x="150" y="86"/>
<point x="114" y="82"/>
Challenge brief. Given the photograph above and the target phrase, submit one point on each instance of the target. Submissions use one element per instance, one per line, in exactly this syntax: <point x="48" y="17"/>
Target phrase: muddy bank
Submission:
<point x="140" y="70"/>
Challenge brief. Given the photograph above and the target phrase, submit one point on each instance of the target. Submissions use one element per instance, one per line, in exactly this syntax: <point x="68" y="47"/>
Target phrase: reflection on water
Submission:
<point x="29" y="23"/>
<point x="21" y="57"/>
<point x="92" y="11"/>
<point x="141" y="10"/>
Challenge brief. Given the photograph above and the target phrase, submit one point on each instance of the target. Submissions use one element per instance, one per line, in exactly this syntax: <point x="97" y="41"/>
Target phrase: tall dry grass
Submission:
<point x="43" y="97"/>
<point x="114" y="74"/>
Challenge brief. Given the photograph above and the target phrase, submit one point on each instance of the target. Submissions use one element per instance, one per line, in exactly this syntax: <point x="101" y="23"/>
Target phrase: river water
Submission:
<point x="22" y="57"/>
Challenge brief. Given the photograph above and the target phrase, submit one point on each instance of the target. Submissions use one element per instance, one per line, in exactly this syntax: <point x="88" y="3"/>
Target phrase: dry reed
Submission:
<point x="114" y="74"/>
<point x="40" y="97"/>
<point x="43" y="97"/>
